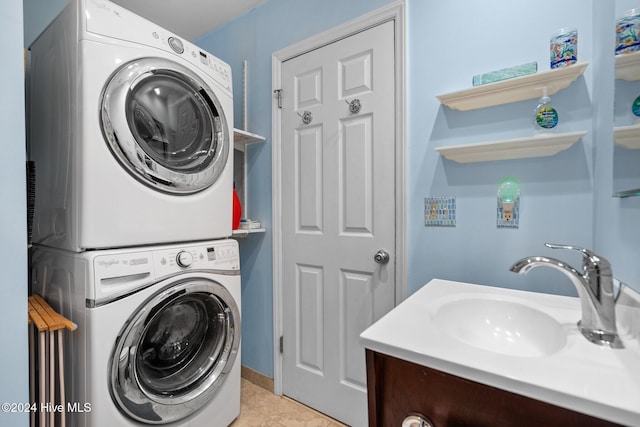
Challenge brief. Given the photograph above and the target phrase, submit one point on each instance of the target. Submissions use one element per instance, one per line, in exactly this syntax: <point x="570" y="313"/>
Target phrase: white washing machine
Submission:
<point x="130" y="129"/>
<point x="158" y="338"/>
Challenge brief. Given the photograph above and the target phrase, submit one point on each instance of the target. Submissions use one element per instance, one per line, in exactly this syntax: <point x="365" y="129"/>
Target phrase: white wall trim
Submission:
<point x="392" y="12"/>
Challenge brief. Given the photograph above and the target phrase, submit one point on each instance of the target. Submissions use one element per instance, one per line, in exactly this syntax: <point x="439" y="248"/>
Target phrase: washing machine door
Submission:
<point x="173" y="354"/>
<point x="165" y="125"/>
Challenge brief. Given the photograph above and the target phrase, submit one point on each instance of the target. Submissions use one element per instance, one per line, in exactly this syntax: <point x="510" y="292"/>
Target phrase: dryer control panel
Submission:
<point x="108" y="19"/>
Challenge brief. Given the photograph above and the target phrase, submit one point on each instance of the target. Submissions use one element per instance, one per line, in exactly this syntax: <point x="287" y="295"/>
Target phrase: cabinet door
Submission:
<point x="397" y="388"/>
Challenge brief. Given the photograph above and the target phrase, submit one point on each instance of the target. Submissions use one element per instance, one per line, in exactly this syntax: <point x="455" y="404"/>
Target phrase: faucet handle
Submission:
<point x="591" y="260"/>
<point x="585" y="252"/>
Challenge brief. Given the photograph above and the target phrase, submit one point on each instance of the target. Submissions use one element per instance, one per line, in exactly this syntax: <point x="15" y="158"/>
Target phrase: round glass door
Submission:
<point x="165" y="126"/>
<point x="175" y="352"/>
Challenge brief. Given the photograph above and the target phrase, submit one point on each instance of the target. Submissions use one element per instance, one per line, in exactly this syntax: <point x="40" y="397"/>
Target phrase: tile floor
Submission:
<point x="260" y="407"/>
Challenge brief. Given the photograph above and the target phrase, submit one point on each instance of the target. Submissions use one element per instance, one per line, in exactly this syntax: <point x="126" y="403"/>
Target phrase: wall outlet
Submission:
<point x="508" y="214"/>
<point x="507" y="211"/>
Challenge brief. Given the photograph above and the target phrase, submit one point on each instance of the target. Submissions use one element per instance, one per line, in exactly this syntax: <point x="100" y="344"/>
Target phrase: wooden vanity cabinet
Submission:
<point x="397" y="388"/>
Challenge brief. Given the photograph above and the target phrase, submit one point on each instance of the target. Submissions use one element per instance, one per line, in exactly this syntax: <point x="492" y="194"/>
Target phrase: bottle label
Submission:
<point x="635" y="107"/>
<point x="547" y="117"/>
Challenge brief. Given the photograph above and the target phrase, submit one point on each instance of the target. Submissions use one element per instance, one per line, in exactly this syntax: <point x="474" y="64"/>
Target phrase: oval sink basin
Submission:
<point x="501" y="326"/>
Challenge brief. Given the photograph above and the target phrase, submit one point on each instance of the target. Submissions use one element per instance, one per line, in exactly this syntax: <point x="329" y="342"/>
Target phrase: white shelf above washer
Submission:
<point x="241" y="138"/>
<point x="242" y="233"/>
<point x="627" y="136"/>
<point x="517" y="148"/>
<point x="513" y="90"/>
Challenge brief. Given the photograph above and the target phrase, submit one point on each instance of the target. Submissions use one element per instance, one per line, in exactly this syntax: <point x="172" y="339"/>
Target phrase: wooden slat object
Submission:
<point x="35" y="317"/>
<point x="47" y="321"/>
<point x="46" y="318"/>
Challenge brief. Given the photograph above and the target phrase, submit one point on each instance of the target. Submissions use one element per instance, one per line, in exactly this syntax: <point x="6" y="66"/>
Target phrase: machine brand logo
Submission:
<point x="106" y="263"/>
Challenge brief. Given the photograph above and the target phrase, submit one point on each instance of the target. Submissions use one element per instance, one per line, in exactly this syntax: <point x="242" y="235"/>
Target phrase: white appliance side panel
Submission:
<point x="52" y="113"/>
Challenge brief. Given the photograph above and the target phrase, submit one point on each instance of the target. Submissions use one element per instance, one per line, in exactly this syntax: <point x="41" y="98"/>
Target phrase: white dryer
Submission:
<point x="130" y="129"/>
<point x="158" y="338"/>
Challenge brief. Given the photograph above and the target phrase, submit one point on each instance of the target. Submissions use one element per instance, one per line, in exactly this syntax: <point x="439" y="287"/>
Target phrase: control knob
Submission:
<point x="176" y="44"/>
<point x="184" y="259"/>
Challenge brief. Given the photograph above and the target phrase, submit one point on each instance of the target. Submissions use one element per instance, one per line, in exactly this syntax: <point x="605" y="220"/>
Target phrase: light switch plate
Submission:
<point x="440" y="211"/>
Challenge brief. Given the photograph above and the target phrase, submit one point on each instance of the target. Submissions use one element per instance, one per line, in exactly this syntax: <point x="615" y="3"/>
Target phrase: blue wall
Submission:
<point x="557" y="194"/>
<point x="13" y="247"/>
<point x="565" y="198"/>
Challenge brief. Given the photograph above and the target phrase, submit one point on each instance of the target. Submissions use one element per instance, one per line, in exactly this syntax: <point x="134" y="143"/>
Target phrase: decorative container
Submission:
<point x="564" y="47"/>
<point x="628" y="32"/>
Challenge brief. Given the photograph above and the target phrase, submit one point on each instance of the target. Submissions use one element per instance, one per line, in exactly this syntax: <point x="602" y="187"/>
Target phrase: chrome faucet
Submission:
<point x="595" y="289"/>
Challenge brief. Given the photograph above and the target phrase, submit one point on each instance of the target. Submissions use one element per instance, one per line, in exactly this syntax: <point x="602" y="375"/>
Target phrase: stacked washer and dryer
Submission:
<point x="130" y="132"/>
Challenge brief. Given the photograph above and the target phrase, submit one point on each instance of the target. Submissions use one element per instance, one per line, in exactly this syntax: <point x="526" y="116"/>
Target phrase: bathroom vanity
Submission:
<point x="398" y="389"/>
<point x="461" y="354"/>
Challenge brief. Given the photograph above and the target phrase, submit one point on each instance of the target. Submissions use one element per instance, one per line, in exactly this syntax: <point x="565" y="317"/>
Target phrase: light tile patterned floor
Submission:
<point x="260" y="407"/>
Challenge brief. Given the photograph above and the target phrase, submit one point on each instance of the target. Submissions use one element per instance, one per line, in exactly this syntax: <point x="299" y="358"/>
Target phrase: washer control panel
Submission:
<point x="219" y="256"/>
<point x="117" y="271"/>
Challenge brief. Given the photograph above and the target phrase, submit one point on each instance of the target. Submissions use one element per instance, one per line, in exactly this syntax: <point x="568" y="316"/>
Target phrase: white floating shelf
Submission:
<point x="241" y="138"/>
<point x="241" y="233"/>
<point x="628" y="66"/>
<point x="517" y="148"/>
<point x="513" y="90"/>
<point x="627" y="136"/>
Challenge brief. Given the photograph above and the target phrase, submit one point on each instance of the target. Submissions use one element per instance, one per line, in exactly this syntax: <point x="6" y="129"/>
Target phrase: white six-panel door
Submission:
<point x="338" y="211"/>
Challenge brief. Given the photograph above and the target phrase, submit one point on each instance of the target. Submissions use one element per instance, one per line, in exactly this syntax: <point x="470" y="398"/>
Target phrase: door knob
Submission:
<point x="381" y="257"/>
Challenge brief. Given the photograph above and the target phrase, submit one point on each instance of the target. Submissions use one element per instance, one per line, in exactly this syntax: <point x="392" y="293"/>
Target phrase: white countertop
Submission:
<point x="581" y="376"/>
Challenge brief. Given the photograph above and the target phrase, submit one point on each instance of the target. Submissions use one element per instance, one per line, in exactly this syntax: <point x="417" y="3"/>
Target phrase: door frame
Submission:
<point x="392" y="12"/>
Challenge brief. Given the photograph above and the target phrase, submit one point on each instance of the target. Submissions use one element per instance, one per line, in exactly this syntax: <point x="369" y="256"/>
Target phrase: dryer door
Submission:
<point x="165" y="125"/>
<point x="176" y="350"/>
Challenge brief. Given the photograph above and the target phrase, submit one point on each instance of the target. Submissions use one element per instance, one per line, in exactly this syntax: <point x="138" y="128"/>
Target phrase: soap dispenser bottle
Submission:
<point x="635" y="109"/>
<point x="545" y="117"/>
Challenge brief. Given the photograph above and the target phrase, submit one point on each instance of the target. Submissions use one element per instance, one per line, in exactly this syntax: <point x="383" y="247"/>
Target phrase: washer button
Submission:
<point x="176" y="44"/>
